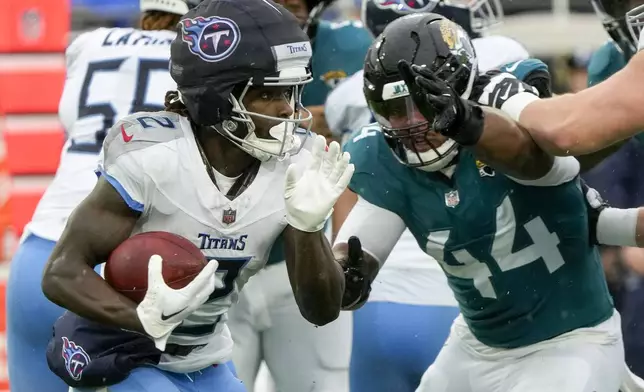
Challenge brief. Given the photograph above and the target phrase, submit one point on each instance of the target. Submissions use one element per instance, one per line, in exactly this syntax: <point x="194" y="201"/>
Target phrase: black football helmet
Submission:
<point x="316" y="9"/>
<point x="225" y="47"/>
<point x="427" y="40"/>
<point x="613" y="15"/>
<point x="475" y="16"/>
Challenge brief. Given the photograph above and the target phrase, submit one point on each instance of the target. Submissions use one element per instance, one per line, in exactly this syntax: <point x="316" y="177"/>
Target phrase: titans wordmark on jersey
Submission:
<point x="153" y="161"/>
<point x="517" y="257"/>
<point x="110" y="74"/>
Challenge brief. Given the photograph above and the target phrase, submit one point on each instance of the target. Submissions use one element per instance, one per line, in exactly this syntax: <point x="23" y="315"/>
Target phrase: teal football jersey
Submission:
<point x="606" y="61"/>
<point x="517" y="257"/>
<point x="339" y="50"/>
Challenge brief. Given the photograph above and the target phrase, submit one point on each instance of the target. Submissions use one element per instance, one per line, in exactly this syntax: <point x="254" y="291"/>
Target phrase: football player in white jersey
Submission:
<point x="266" y="325"/>
<point x="403" y="326"/>
<point x="111" y="72"/>
<point x="221" y="168"/>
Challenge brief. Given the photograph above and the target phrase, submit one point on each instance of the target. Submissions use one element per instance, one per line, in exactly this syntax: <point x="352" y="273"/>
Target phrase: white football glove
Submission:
<point x="164" y="308"/>
<point x="501" y="86"/>
<point x="310" y="198"/>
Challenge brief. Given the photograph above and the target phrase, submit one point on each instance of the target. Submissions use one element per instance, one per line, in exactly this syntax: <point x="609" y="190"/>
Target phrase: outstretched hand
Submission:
<point x="439" y="103"/>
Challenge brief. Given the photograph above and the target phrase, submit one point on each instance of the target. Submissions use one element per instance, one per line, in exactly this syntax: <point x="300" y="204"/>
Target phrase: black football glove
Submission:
<point x="357" y="285"/>
<point x="594" y="206"/>
<point x="454" y="117"/>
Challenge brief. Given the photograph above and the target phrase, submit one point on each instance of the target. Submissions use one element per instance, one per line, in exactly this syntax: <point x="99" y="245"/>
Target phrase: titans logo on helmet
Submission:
<point x="76" y="359"/>
<point x="404" y="6"/>
<point x="213" y="38"/>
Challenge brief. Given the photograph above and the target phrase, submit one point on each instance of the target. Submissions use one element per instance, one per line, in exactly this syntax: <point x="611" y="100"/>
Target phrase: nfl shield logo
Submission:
<point x="451" y="199"/>
<point x="229" y="216"/>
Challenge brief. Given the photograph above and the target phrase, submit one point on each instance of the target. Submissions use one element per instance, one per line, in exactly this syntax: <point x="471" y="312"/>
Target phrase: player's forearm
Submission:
<point x="316" y="278"/>
<point x="507" y="147"/>
<point x="74" y="285"/>
<point x="593" y="119"/>
<point x="621" y="227"/>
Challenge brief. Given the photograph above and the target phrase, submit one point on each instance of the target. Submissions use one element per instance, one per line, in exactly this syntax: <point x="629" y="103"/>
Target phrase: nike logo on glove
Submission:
<point x="165" y="317"/>
<point x="513" y="67"/>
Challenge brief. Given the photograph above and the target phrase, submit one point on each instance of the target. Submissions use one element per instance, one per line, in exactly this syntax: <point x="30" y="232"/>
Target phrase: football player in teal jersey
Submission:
<point x="505" y="220"/>
<point x="266" y="323"/>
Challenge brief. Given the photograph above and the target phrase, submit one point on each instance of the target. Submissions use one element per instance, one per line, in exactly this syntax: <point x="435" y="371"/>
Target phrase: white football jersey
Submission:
<point x="153" y="161"/>
<point x="110" y="74"/>
<point x="409" y="276"/>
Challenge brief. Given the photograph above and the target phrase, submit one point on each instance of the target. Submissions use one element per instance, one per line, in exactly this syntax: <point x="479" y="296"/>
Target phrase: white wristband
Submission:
<point x="515" y="104"/>
<point x="617" y="226"/>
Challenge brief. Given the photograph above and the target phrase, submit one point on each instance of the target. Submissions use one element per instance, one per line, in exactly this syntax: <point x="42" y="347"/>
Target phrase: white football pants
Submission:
<point x="584" y="360"/>
<point x="266" y="324"/>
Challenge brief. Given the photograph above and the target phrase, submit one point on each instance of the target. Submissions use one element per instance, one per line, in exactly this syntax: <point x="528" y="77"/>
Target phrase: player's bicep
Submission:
<point x="96" y="227"/>
<point x="377" y="228"/>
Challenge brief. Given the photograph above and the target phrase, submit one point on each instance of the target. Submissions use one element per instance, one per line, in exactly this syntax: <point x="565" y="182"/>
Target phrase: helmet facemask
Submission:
<point x="282" y="141"/>
<point x="635" y="23"/>
<point x="485" y="14"/>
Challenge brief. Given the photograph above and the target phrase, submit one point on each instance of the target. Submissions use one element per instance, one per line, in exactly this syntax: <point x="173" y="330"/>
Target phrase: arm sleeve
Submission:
<point x="618" y="227"/>
<point x="564" y="169"/>
<point x="378" y="229"/>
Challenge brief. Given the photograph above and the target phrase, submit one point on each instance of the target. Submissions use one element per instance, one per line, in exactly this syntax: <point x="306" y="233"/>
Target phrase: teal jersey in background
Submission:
<point x="339" y="50"/>
<point x="517" y="257"/>
<point x="606" y="61"/>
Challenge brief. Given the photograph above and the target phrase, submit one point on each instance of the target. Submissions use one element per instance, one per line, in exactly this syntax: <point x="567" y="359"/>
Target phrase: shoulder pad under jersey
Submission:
<point x="139" y="131"/>
<point x="346" y="108"/>
<point x="378" y="176"/>
<point x="79" y="43"/>
<point x="522" y="68"/>
<point x="496" y="50"/>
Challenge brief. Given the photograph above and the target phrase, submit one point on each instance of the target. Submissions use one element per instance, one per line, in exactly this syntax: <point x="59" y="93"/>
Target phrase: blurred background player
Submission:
<point x="411" y="285"/>
<point x="111" y="72"/>
<point x="266" y="323"/>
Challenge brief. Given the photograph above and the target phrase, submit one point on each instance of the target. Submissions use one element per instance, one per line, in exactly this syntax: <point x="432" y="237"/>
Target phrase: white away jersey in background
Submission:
<point x="152" y="159"/>
<point x="110" y="74"/>
<point x="409" y="276"/>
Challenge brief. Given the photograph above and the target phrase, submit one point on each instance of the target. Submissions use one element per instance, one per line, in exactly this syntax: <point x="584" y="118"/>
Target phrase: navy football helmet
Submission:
<point x="475" y="16"/>
<point x="225" y="47"/>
